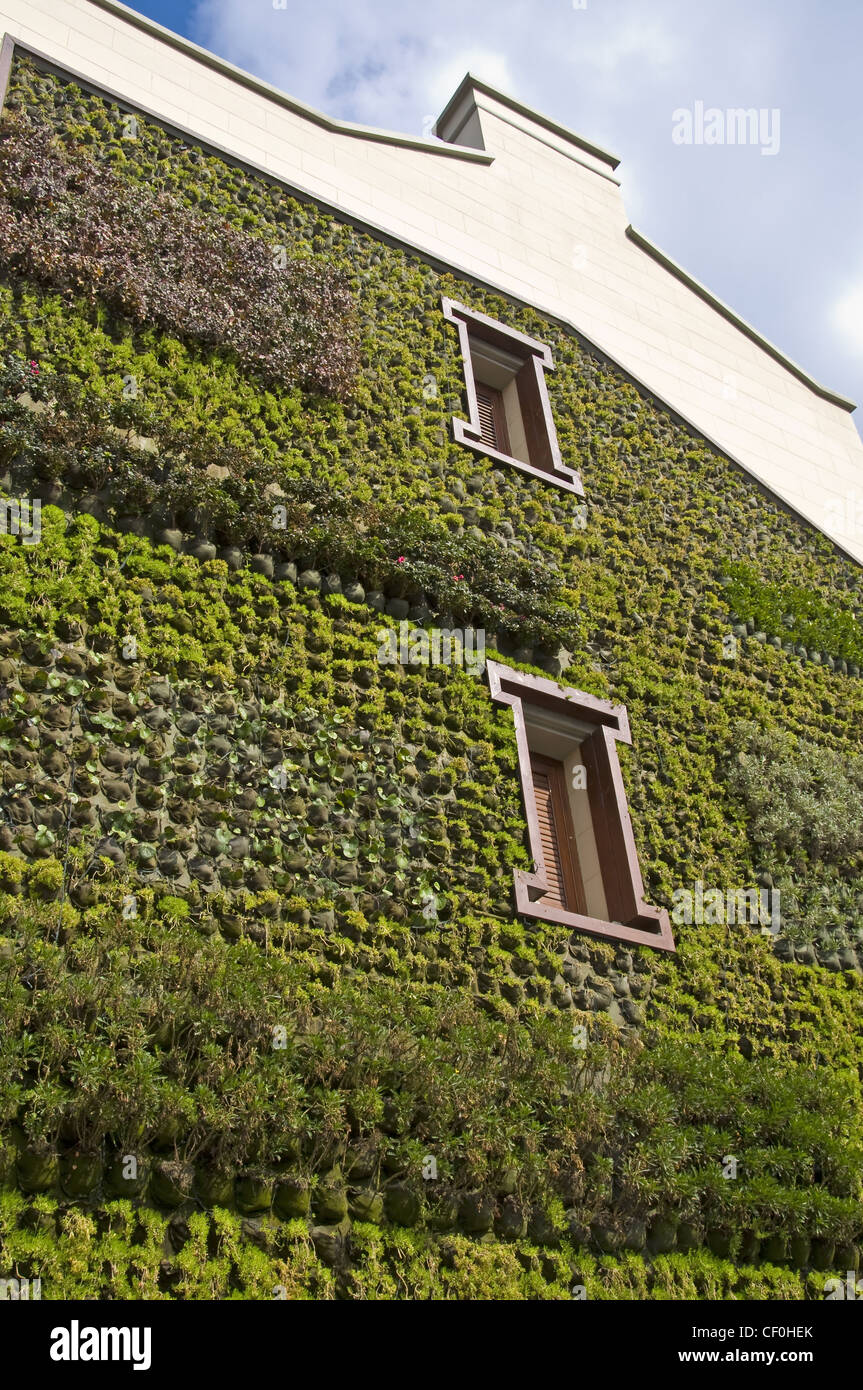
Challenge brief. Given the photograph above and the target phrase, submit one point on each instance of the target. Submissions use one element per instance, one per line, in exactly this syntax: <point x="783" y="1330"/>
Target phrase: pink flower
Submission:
<point x="400" y="560"/>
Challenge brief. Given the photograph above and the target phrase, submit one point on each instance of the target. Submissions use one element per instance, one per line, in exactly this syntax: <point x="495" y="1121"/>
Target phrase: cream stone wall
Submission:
<point x="535" y="212"/>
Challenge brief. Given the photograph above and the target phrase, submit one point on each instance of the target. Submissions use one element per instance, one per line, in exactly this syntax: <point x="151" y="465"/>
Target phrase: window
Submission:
<point x="492" y="418"/>
<point x="510" y="414"/>
<point x="556" y="833"/>
<point x="586" y="872"/>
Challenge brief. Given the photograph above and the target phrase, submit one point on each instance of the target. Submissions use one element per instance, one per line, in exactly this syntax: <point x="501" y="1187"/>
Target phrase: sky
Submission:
<point x="772" y="226"/>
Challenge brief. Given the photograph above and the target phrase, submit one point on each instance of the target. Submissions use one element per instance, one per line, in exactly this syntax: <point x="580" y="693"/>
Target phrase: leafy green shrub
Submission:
<point x="76" y="226"/>
<point x="798" y="797"/>
<point x="173" y="909"/>
<point x="794" y="611"/>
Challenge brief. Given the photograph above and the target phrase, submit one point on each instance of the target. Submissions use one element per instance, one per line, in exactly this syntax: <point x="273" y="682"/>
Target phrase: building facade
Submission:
<point x="432" y="837"/>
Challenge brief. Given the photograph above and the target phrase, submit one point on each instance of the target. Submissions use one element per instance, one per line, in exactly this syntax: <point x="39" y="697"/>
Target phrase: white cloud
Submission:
<point x="492" y="67"/>
<point x="613" y="72"/>
<point x="639" y="37"/>
<point x="383" y="61"/>
<point x="847" y="317"/>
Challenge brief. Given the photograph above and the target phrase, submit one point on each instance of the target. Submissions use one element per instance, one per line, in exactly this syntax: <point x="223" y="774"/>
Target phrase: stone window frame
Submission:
<point x="534" y="404"/>
<point x="635" y="921"/>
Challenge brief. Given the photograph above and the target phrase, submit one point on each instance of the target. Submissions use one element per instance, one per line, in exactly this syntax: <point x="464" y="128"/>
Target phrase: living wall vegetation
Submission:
<point x="255" y="887"/>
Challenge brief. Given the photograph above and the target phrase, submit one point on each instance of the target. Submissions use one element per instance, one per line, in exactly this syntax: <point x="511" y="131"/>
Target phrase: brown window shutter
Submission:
<point x="492" y="417"/>
<point x="563" y="874"/>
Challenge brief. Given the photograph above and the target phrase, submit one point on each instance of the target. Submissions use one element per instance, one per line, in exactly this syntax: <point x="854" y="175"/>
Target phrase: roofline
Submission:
<point x="471" y="81"/>
<point x="299" y="108"/>
<point x="10" y="44"/>
<point x="728" y="313"/>
<point x="443" y="148"/>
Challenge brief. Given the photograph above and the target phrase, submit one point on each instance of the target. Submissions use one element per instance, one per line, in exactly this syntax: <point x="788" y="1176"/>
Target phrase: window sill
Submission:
<point x="566" y="478"/>
<point x="650" y="927"/>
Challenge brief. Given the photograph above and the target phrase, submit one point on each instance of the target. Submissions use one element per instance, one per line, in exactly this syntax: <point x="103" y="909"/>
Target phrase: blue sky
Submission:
<point x="777" y="236"/>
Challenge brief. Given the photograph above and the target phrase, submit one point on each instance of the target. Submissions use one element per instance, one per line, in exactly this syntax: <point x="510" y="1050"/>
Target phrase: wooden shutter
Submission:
<point x="563" y="874"/>
<point x="492" y="417"/>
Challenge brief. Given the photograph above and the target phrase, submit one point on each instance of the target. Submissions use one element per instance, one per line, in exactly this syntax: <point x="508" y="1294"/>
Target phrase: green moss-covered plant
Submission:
<point x="272" y="1027"/>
